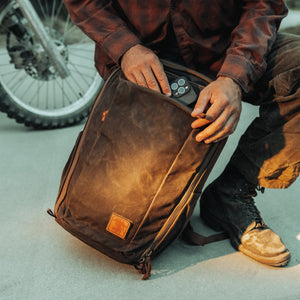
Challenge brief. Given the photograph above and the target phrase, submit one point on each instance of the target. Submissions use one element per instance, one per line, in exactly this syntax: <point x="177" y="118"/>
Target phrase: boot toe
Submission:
<point x="265" y="246"/>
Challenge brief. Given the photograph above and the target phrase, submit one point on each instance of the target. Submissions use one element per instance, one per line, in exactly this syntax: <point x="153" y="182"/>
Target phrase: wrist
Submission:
<point x="232" y="82"/>
<point x="129" y="50"/>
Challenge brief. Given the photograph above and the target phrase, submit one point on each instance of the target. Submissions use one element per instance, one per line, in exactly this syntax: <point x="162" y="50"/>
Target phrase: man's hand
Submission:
<point x="224" y="95"/>
<point x="141" y="66"/>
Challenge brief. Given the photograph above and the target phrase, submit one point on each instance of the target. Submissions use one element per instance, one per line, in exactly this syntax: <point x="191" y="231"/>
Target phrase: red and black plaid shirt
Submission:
<point x="228" y="37"/>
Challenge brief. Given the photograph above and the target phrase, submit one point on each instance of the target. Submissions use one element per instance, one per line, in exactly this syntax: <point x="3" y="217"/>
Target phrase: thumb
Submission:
<point x="201" y="104"/>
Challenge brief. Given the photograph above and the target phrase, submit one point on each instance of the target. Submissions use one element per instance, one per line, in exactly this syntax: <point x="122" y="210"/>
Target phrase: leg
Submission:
<point x="267" y="155"/>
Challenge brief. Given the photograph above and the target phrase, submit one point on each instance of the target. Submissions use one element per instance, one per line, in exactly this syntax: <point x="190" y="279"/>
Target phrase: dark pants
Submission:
<point x="268" y="153"/>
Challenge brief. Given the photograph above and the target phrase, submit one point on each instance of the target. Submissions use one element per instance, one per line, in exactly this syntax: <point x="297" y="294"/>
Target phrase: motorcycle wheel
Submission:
<point x="48" y="101"/>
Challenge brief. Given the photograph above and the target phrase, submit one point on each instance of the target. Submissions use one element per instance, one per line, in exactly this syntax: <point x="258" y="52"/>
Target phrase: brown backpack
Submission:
<point x="136" y="172"/>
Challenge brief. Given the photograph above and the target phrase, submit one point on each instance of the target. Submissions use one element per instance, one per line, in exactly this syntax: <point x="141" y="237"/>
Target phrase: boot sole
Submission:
<point x="275" y="261"/>
<point x="216" y="224"/>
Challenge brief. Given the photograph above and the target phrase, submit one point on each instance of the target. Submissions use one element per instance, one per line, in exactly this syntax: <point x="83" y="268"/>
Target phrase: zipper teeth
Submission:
<point x="159" y="189"/>
<point x="70" y="163"/>
<point x="64" y="187"/>
<point x="178" y="210"/>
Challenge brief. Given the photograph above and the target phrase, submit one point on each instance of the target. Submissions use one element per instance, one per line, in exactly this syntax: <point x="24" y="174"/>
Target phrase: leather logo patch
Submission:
<point x="119" y="226"/>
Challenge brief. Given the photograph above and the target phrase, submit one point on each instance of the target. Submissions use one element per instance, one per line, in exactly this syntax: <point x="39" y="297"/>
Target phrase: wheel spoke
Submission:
<point x="52" y="14"/>
<point x="62" y="88"/>
<point x="27" y="90"/>
<point x="71" y="88"/>
<point x="47" y="8"/>
<point x="78" y="84"/>
<point x="53" y="90"/>
<point x="81" y="66"/>
<point x="17" y="86"/>
<point x="84" y="40"/>
<point x="61" y="5"/>
<point x="42" y="9"/>
<point x="86" y="75"/>
<point x="81" y="56"/>
<point x="82" y="49"/>
<point x="19" y="79"/>
<point x="9" y="73"/>
<point x="48" y="94"/>
<point x="63" y="93"/>
<point x="65" y="30"/>
<point x="79" y="73"/>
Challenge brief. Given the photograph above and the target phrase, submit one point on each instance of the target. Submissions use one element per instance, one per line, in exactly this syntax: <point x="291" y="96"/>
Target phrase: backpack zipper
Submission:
<point x="71" y="168"/>
<point x="144" y="263"/>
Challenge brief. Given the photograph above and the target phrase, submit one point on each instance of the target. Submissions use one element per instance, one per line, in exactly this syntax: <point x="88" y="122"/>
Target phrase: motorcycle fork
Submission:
<point x="44" y="38"/>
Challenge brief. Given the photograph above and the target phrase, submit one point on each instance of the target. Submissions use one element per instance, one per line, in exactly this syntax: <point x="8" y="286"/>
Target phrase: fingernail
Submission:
<point x="196" y="112"/>
<point x="168" y="93"/>
<point x="199" y="138"/>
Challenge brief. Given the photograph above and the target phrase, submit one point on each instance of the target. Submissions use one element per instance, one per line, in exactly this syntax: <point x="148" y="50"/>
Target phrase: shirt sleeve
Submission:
<point x="100" y="21"/>
<point x="251" y="41"/>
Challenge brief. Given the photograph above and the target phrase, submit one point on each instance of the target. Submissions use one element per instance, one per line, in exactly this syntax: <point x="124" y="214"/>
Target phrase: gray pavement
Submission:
<point x="291" y="20"/>
<point x="39" y="260"/>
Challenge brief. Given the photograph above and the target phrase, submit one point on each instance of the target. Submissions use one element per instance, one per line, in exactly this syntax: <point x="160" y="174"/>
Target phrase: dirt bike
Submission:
<point x="47" y="73"/>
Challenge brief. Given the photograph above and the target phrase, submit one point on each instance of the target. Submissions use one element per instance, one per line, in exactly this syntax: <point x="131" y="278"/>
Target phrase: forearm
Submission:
<point x="100" y="21"/>
<point x="252" y="39"/>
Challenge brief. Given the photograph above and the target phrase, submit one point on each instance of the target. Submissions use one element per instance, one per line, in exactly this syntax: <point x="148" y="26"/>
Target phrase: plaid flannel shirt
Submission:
<point x="231" y="38"/>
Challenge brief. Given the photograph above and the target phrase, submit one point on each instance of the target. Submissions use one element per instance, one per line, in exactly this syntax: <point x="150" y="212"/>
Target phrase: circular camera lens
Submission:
<point x="181" y="90"/>
<point x="174" y="86"/>
<point x="181" y="82"/>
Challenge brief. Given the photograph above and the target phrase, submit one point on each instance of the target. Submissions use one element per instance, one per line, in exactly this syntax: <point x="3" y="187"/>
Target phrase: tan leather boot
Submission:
<point x="227" y="204"/>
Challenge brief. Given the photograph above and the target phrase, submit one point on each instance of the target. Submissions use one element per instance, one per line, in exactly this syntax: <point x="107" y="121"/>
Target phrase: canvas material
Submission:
<point x="129" y="169"/>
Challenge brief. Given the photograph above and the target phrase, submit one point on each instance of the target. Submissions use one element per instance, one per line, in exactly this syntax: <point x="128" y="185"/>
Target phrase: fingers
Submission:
<point x="223" y="115"/>
<point x="161" y="77"/>
<point x="141" y="66"/>
<point x="218" y="130"/>
<point x="211" y="115"/>
<point x="157" y="82"/>
<point x="202" y="103"/>
<point x="154" y="77"/>
<point x="146" y="78"/>
<point x="151" y="81"/>
<point x="222" y="120"/>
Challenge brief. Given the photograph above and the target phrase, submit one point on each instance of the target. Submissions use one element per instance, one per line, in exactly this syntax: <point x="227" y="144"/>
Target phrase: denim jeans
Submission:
<point x="268" y="153"/>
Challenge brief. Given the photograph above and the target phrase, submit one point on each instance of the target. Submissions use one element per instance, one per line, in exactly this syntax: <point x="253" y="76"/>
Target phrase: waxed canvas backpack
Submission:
<point x="136" y="172"/>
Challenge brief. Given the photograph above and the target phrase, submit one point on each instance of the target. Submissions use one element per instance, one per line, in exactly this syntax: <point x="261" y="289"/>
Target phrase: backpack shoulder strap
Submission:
<point x="194" y="238"/>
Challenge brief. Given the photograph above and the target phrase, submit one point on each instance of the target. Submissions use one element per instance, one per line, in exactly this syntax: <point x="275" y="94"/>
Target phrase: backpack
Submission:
<point x="136" y="172"/>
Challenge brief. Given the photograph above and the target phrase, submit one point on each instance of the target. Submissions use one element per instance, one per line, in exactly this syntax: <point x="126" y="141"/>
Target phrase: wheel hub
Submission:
<point x="32" y="57"/>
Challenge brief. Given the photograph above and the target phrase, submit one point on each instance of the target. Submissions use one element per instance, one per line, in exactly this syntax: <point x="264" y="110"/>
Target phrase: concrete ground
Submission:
<point x="39" y="260"/>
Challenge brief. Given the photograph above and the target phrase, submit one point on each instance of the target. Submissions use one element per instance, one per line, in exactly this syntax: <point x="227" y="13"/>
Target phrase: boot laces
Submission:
<point x="249" y="205"/>
<point x="250" y="190"/>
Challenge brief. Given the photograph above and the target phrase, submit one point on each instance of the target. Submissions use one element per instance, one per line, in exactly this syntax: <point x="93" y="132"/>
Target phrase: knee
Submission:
<point x="284" y="64"/>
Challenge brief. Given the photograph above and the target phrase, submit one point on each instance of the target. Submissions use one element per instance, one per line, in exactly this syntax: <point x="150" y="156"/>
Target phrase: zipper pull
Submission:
<point x="51" y="213"/>
<point x="144" y="267"/>
<point x="147" y="268"/>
